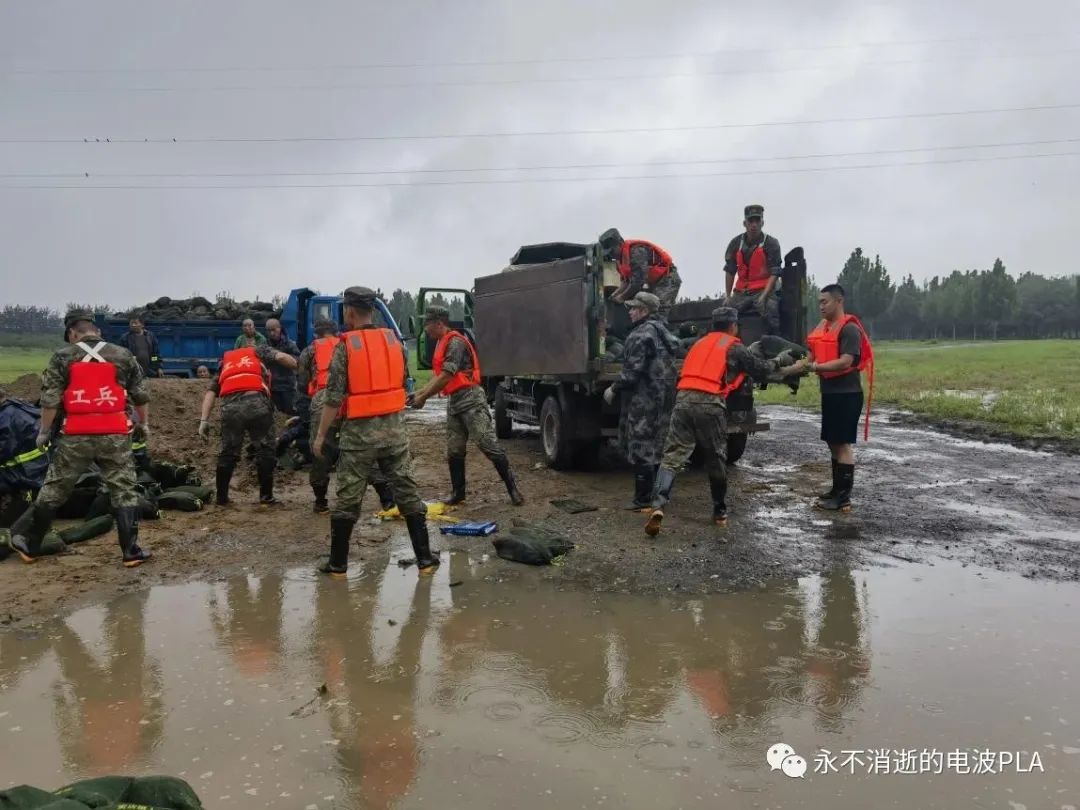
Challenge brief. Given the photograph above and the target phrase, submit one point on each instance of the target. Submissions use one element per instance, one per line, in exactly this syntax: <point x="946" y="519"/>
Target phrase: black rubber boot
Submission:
<point x="502" y="467"/>
<point x="29" y="530"/>
<point x="644" y="482"/>
<point x="718" y="488"/>
<point x="224" y="476"/>
<point x="665" y="480"/>
<point x="340" y="533"/>
<point x="265" y="471"/>
<point x="127" y="530"/>
<point x="321" y="505"/>
<point x="457" y="481"/>
<point x="845" y="480"/>
<point x="426" y="561"/>
<point x="824" y="496"/>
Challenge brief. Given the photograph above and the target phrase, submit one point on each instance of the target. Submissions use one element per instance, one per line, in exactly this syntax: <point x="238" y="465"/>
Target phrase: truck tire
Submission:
<point x="554" y="435"/>
<point x="504" y="426"/>
<point x="736" y="446"/>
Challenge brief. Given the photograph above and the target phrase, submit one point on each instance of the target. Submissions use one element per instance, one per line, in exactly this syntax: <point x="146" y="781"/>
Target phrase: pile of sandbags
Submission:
<point x="202" y="309"/>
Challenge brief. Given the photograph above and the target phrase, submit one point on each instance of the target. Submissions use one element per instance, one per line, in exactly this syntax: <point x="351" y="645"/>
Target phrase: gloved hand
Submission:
<point x="204" y="429"/>
<point x="140" y="433"/>
<point x="609" y="395"/>
<point x="41" y="440"/>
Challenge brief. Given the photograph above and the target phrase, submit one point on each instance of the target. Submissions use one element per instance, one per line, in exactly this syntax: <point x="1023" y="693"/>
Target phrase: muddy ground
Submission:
<point x="920" y="495"/>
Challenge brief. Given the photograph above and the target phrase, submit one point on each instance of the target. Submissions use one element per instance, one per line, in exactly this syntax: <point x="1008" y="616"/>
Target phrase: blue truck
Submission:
<point x="186" y="345"/>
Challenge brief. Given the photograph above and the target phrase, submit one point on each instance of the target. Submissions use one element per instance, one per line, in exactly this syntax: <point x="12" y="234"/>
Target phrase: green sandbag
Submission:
<point x="182" y="501"/>
<point x="149" y="792"/>
<point x="148" y="509"/>
<point x="5" y="539"/>
<point x="52" y="543"/>
<point x="531" y="544"/>
<point x="77" y="504"/>
<point x="204" y="494"/>
<point x="174" y="475"/>
<point x="25" y="797"/>
<point x="88" y="530"/>
<point x="101" y="505"/>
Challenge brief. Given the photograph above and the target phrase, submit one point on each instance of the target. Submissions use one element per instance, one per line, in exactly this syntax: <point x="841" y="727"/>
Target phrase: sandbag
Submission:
<point x="77" y="506"/>
<point x="88" y="530"/>
<point x="5" y="540"/>
<point x="181" y="501"/>
<point x="174" y="475"/>
<point x="531" y="544"/>
<point x="148" y="508"/>
<point x="204" y="494"/>
<point x="101" y="505"/>
<point x="25" y="797"/>
<point x="151" y="792"/>
<point x="52" y="543"/>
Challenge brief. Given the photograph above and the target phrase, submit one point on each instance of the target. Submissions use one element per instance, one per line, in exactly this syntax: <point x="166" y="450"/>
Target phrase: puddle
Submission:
<point x="490" y="694"/>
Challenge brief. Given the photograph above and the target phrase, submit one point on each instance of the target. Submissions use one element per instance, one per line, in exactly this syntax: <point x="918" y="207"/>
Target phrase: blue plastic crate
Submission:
<point x="470" y="529"/>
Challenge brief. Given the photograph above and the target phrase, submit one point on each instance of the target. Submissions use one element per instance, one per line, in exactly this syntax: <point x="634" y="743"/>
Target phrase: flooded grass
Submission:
<point x="1028" y="388"/>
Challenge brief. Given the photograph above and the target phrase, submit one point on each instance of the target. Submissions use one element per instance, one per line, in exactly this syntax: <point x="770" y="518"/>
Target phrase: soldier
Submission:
<point x="242" y="382"/>
<point x="457" y="376"/>
<point x="282" y="378"/>
<point x="642" y="266"/>
<point x="648" y="378"/>
<point x="753" y="263"/>
<point x="368" y="373"/>
<point x="717" y="365"/>
<point x="92" y="381"/>
<point x="313" y="370"/>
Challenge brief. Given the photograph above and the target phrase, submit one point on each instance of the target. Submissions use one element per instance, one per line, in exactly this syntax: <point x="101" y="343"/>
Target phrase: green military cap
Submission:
<point x="434" y="312"/>
<point x="754" y="211"/>
<point x="74" y="316"/>
<point x="646" y="300"/>
<point x="610" y="237"/>
<point x="725" y="315"/>
<point x="359" y="297"/>
<point x="325" y="325"/>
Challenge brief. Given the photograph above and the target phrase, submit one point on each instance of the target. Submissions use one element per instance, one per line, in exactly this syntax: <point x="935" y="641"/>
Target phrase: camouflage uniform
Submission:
<point x="745" y="301"/>
<point x="467" y="412"/>
<point x="647" y="382"/>
<point x="666" y="288"/>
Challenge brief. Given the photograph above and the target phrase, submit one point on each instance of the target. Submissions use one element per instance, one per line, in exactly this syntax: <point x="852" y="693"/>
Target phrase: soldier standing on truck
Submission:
<point x="368" y="372"/>
<point x="753" y="263"/>
<point x="92" y="381"/>
<point x="313" y="371"/>
<point x="457" y="376"/>
<point x="243" y="383"/>
<point x="716" y="366"/>
<point x="643" y="267"/>
<point x="647" y="380"/>
<point x="282" y="378"/>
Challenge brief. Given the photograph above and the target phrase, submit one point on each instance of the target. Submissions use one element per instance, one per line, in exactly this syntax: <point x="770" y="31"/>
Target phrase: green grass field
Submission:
<point x="1028" y="388"/>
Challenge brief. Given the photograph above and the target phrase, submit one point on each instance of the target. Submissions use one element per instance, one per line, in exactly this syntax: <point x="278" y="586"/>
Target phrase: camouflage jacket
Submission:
<point x="128" y="373"/>
<point x="649" y="357"/>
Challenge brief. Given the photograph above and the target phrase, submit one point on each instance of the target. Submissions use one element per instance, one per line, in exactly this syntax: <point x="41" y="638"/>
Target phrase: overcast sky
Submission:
<point x="145" y="69"/>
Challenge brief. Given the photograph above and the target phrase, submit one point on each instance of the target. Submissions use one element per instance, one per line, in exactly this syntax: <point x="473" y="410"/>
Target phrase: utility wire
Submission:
<point x="550" y="133"/>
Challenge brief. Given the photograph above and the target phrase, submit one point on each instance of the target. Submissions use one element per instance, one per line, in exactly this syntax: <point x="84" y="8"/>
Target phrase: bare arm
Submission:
<point x="207" y="405"/>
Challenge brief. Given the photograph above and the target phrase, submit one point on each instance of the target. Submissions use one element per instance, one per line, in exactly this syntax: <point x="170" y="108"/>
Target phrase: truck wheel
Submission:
<point x="736" y="446"/>
<point x="504" y="426"/>
<point x="558" y="449"/>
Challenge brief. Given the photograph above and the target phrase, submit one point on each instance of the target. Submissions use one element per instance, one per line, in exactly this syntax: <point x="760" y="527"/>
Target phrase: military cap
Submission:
<point x="754" y="211"/>
<point x="435" y="312"/>
<point x="359" y="297"/>
<point x="325" y="325"/>
<point x="725" y="315"/>
<point x="610" y="237"/>
<point x="74" y="316"/>
<point x="646" y="300"/>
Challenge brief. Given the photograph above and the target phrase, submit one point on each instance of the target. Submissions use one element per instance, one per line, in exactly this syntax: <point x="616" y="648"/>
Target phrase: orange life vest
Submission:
<point x="241" y="372"/>
<point x="705" y="367"/>
<point x="752" y="277"/>
<point x="659" y="260"/>
<point x="376" y="367"/>
<point x="324" y="353"/>
<point x="95" y="404"/>
<point x="824" y="344"/>
<point x="461" y="379"/>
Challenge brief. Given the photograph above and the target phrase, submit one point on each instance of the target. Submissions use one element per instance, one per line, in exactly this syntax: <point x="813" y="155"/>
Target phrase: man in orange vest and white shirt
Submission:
<point x="243" y="383"/>
<point x="716" y="366"/>
<point x="643" y="267"/>
<point x="367" y="378"/>
<point x="753" y="263"/>
<point x="457" y="376"/>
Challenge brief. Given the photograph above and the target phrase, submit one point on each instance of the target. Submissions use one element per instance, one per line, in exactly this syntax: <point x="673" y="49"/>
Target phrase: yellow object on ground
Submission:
<point x="435" y="511"/>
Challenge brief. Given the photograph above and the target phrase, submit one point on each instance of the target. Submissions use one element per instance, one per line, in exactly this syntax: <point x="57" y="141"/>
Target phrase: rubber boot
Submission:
<point x="426" y="561"/>
<point x="224" y="476"/>
<point x="718" y="488"/>
<point x="385" y="493"/>
<point x="502" y="467"/>
<point x="824" y="496"/>
<point x="457" y="481"/>
<point x="340" y="533"/>
<point x="845" y="480"/>
<point x="127" y="530"/>
<point x="644" y="482"/>
<point x="265" y="471"/>
<point x="665" y="480"/>
<point x="321" y="505"/>
<point x="29" y="530"/>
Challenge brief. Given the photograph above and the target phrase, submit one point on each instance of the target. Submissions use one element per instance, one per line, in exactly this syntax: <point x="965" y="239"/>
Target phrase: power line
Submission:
<point x="542" y="167"/>
<point x="530" y="180"/>
<point x="549" y="133"/>
<point x="542" y="80"/>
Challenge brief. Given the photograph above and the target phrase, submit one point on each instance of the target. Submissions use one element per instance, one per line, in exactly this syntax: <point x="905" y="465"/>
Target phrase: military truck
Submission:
<point x="547" y="335"/>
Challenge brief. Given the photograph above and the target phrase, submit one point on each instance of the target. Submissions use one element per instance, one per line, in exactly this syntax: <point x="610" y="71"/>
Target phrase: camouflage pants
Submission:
<point x="746" y="304"/>
<point x="667" y="290"/>
<point x="251" y="414"/>
<point x="643" y="424"/>
<point x="703" y="424"/>
<point x="319" y="474"/>
<point x="75" y="454"/>
<point x="358" y="467"/>
<point x="473" y="423"/>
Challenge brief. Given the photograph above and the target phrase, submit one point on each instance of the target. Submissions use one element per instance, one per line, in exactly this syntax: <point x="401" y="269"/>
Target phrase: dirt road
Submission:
<point x="920" y="495"/>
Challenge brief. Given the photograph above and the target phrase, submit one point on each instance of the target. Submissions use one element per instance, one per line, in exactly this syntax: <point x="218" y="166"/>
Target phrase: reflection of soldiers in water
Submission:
<point x="110" y="714"/>
<point x="372" y="708"/>
<point x="251" y="630"/>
